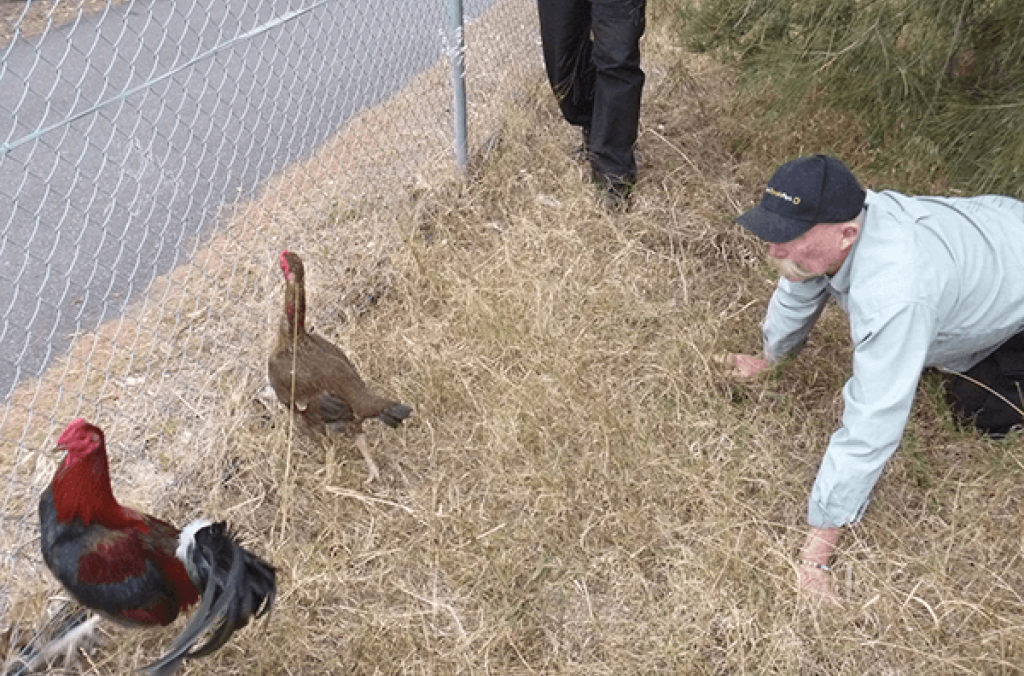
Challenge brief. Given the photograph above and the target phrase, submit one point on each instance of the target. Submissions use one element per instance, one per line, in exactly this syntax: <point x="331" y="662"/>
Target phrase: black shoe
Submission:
<point x="614" y="192"/>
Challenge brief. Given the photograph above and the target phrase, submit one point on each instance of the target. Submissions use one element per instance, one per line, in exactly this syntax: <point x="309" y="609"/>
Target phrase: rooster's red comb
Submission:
<point x="284" y="262"/>
<point x="79" y="431"/>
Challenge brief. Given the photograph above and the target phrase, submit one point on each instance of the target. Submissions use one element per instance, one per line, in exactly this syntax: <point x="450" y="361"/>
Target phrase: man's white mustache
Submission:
<point x="792" y="271"/>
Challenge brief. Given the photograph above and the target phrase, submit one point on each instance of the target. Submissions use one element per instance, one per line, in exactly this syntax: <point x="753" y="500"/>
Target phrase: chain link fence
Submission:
<point x="154" y="159"/>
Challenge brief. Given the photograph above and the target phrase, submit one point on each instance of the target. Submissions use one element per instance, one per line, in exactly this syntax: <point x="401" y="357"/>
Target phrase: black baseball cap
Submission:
<point x="801" y="194"/>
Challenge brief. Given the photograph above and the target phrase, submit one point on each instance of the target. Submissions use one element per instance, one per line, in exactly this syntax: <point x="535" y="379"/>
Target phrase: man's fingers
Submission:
<point x="744" y="366"/>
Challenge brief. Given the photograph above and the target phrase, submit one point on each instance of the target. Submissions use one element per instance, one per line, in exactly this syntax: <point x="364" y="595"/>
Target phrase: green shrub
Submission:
<point x="932" y="81"/>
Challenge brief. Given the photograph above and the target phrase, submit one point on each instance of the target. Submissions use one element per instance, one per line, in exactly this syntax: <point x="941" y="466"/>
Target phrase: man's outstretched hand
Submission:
<point x="816" y="584"/>
<point x="814" y="576"/>
<point x="746" y="366"/>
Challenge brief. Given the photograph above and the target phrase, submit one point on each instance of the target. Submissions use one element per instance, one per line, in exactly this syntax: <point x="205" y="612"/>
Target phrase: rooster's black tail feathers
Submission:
<point x="236" y="586"/>
<point x="242" y="584"/>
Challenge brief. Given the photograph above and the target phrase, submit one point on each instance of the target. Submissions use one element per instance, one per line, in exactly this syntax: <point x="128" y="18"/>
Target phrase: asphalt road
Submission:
<point x="122" y="134"/>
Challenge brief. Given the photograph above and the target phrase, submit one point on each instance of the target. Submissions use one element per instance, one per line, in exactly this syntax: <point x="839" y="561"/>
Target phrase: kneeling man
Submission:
<point x="925" y="281"/>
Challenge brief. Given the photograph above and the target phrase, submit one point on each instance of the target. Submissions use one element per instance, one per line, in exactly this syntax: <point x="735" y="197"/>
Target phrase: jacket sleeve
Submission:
<point x="889" y="354"/>
<point x="792" y="312"/>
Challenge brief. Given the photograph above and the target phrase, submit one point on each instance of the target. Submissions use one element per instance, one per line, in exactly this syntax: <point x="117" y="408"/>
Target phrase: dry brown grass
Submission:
<point x="581" y="489"/>
<point x="27" y="18"/>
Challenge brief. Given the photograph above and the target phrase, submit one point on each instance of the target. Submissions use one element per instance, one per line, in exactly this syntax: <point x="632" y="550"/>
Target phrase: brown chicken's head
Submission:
<point x="79" y="439"/>
<point x="291" y="267"/>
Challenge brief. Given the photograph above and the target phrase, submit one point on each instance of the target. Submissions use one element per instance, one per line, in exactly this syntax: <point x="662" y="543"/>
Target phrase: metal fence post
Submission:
<point x="458" y="57"/>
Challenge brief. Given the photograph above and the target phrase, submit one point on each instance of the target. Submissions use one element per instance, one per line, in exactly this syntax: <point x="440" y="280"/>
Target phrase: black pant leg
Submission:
<point x="990" y="396"/>
<point x="567" y="47"/>
<point x="617" y="28"/>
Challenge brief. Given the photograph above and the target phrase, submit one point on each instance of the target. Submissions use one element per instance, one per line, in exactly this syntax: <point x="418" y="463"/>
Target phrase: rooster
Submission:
<point x="140" y="571"/>
<point x="324" y="388"/>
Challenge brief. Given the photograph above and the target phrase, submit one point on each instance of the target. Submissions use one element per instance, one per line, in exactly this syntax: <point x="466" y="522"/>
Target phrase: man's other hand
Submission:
<point x="746" y="366"/>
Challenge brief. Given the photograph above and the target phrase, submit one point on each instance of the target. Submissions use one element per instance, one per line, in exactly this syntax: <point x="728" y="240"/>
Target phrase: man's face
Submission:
<point x="821" y="250"/>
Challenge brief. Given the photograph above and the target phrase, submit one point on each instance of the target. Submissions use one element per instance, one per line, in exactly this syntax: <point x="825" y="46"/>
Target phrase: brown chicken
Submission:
<point x="326" y="391"/>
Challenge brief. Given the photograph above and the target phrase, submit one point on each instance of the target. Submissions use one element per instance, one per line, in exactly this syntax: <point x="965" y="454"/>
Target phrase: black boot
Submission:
<point x="614" y="190"/>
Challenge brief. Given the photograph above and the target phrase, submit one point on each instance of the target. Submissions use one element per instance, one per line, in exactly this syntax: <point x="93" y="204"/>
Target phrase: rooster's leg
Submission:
<point x="364" y="448"/>
<point x="67" y="644"/>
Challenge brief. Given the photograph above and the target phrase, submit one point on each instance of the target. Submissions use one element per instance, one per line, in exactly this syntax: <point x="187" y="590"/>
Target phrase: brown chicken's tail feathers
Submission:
<point x="393" y="415"/>
<point x="236" y="586"/>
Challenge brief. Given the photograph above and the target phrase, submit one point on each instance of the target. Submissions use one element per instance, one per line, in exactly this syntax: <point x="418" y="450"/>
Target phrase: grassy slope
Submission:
<point x="582" y="490"/>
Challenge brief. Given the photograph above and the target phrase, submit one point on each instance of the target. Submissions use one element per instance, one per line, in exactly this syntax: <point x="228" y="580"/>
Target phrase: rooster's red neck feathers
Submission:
<point x="81" y="485"/>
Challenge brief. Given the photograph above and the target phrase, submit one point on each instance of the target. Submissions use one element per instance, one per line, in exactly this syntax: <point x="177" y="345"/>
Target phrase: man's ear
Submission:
<point x="848" y="234"/>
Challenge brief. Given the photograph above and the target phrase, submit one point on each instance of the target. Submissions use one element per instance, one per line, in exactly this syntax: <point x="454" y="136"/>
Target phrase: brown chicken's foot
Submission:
<point x="371" y="466"/>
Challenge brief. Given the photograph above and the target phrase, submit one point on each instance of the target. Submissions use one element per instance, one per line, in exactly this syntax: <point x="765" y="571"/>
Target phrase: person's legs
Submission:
<point x="981" y="397"/>
<point x="565" y="39"/>
<point x="617" y="28"/>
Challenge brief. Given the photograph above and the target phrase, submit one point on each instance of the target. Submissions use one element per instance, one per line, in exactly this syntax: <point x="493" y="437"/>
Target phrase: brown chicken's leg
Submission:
<point x="329" y="463"/>
<point x="364" y="448"/>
